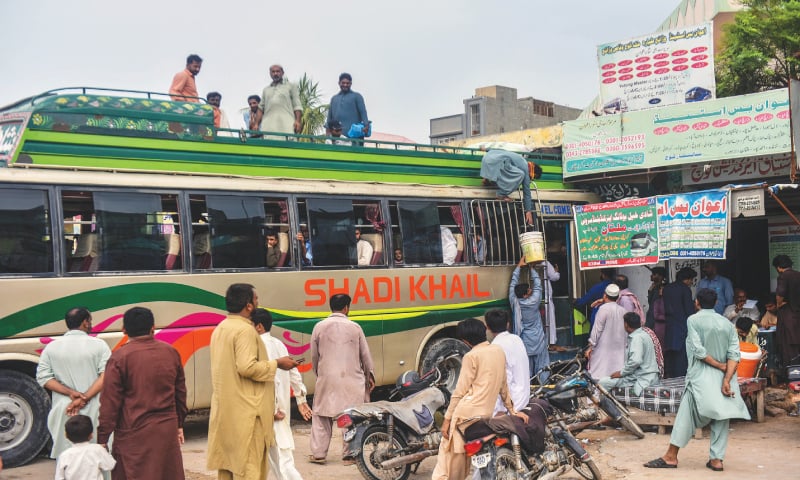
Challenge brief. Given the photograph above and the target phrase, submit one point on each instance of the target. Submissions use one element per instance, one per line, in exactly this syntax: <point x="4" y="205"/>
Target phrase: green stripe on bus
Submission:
<point x="104" y="298"/>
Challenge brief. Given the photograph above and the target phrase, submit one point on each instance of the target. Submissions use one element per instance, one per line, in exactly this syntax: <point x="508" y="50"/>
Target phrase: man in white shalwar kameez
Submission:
<point x="281" y="457"/>
<point x="606" y="351"/>
<point x="342" y="362"/>
<point x="712" y="395"/>
<point x="551" y="275"/>
<point x="72" y="367"/>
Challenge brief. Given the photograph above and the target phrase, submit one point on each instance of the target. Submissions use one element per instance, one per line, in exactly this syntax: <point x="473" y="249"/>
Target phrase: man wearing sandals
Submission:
<point x="712" y="394"/>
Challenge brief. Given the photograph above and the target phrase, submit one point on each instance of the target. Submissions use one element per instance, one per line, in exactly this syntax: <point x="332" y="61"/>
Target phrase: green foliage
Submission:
<point x="760" y="49"/>
<point x="314" y="112"/>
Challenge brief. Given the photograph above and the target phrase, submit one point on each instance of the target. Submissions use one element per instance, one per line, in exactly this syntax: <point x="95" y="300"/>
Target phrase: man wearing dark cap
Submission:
<point x="336" y="132"/>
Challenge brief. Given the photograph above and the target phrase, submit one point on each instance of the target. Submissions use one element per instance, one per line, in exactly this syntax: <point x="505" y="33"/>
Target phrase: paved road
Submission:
<point x="768" y="450"/>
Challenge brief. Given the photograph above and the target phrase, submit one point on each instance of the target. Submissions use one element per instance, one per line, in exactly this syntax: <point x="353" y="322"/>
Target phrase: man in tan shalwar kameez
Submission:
<point x="243" y="396"/>
<point x="481" y="380"/>
<point x="343" y="365"/>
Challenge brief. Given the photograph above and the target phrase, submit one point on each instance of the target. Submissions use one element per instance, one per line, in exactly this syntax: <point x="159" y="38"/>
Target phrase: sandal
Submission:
<point x="659" y="463"/>
<point x="712" y="467"/>
<point x="319" y="461"/>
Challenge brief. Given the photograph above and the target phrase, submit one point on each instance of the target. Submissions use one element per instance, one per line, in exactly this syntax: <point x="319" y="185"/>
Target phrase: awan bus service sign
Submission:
<point x="665" y="68"/>
<point x="617" y="233"/>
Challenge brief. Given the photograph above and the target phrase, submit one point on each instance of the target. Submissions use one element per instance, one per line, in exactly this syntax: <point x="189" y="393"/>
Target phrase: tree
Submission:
<point x="761" y="49"/>
<point x="314" y="112"/>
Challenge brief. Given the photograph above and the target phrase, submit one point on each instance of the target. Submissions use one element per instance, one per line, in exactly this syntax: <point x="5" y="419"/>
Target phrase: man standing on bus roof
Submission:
<point x="280" y="102"/>
<point x="72" y="368"/>
<point x="183" y="88"/>
<point x="347" y="107"/>
<point x="343" y="365"/>
<point x="509" y="170"/>
<point x="243" y="391"/>
<point x="220" y="118"/>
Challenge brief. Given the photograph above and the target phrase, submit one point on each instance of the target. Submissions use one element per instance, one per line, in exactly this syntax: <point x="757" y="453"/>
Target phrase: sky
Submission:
<point x="412" y="60"/>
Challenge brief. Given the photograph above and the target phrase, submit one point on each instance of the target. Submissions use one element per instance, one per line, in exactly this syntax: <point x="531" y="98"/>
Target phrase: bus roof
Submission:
<point x="92" y="128"/>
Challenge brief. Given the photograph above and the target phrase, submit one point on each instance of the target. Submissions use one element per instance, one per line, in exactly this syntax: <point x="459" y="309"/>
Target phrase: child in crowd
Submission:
<point x="84" y="460"/>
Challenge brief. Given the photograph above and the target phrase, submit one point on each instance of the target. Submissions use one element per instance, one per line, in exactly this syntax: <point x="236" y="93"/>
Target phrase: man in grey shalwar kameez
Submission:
<point x="712" y="394"/>
<point x="525" y="299"/>
<point x="641" y="368"/>
<point x="509" y="170"/>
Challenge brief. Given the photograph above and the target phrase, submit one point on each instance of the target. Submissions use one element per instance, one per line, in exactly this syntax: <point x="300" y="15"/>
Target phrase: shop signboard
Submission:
<point x="747" y="203"/>
<point x="693" y="225"/>
<point x="754" y="125"/>
<point x="738" y="170"/>
<point x="665" y="68"/>
<point x="618" y="233"/>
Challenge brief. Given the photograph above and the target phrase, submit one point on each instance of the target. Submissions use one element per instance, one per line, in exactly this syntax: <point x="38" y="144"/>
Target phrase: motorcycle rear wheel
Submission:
<point x="375" y="449"/>
<point x="628" y="424"/>
<point x="505" y="466"/>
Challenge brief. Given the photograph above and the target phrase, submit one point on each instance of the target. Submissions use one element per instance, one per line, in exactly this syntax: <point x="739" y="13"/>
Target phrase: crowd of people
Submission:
<point x="278" y="109"/>
<point x="123" y="412"/>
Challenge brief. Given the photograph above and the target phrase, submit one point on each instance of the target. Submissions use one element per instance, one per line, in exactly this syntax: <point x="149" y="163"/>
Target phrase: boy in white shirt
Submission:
<point x="84" y="460"/>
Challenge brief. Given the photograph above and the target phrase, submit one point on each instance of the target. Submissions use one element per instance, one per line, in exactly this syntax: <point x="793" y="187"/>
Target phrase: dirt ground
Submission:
<point x="755" y="450"/>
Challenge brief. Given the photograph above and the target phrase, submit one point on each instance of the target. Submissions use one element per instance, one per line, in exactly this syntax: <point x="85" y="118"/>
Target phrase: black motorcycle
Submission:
<point x="389" y="439"/>
<point x="507" y="448"/>
<point x="567" y="387"/>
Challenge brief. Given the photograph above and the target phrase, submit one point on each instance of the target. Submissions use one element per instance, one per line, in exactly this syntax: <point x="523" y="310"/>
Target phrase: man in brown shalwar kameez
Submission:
<point x="342" y="362"/>
<point x="143" y="403"/>
<point x="481" y="380"/>
<point x="243" y="392"/>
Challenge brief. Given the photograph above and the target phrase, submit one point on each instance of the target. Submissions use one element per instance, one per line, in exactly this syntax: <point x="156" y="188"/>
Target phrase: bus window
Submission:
<point x="331" y="226"/>
<point x="422" y="235"/>
<point x="498" y="225"/>
<point x="121" y="231"/>
<point x="25" y="242"/>
<point x="277" y="228"/>
<point x="370" y="225"/>
<point x="451" y="220"/>
<point x="228" y="231"/>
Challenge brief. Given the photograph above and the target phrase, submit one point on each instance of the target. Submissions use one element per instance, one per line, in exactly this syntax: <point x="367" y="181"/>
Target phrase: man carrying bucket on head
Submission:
<point x="509" y="170"/>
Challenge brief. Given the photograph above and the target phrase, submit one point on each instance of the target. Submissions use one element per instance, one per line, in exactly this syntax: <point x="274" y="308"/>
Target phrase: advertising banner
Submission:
<point x="737" y="170"/>
<point x="11" y="127"/>
<point x="664" y="68"/>
<point x="617" y="233"/>
<point x="794" y="88"/>
<point x="693" y="225"/>
<point x="754" y="125"/>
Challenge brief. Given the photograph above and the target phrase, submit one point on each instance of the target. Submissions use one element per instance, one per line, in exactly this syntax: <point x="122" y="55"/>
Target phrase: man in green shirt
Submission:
<point x="640" y="369"/>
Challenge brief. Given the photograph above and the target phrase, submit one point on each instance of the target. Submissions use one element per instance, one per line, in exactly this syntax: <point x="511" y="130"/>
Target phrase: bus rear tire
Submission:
<point x="442" y="347"/>
<point x="24" y="406"/>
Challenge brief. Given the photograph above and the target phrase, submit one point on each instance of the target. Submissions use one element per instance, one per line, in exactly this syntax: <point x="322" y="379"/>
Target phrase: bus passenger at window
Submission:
<point x="305" y="247"/>
<point x="364" y="250"/>
<point x="273" y="250"/>
<point x="509" y="170"/>
<point x="449" y="246"/>
<point x="398" y="256"/>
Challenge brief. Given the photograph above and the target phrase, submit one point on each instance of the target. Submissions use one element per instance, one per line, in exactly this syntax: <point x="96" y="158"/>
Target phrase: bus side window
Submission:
<point x="228" y="231"/>
<point x="451" y="220"/>
<point x="277" y="227"/>
<point x="422" y="235"/>
<point x="331" y="226"/>
<point x="25" y="241"/>
<point x="495" y="232"/>
<point x="121" y="231"/>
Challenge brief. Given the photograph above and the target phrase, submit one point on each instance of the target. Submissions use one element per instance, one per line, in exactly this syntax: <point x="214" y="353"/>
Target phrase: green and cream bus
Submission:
<point x="110" y="200"/>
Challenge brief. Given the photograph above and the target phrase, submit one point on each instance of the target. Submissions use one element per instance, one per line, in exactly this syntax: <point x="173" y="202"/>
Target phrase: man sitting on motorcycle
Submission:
<point x="641" y="368"/>
<point x="481" y="380"/>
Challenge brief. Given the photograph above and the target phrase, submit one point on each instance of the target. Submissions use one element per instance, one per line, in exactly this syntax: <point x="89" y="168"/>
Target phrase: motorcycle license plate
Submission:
<point x="481" y="460"/>
<point x="349" y="434"/>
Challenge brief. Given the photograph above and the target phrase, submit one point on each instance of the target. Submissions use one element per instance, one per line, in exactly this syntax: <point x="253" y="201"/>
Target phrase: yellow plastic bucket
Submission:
<point x="532" y="244"/>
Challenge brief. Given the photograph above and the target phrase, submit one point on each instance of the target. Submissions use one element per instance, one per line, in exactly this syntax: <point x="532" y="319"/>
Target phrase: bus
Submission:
<point x="111" y="200"/>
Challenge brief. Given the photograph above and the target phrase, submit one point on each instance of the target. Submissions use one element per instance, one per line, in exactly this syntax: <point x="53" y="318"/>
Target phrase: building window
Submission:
<point x="475" y="119"/>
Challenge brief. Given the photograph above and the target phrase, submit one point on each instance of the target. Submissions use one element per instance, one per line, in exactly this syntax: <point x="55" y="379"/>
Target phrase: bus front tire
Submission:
<point x="440" y="348"/>
<point x="24" y="406"/>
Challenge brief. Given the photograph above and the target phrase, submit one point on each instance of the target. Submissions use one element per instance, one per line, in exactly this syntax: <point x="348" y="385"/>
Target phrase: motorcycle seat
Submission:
<point x="411" y="410"/>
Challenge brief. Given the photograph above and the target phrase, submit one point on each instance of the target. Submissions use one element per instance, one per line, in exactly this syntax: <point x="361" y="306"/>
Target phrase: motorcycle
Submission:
<point x="566" y="387"/>
<point x="389" y="439"/>
<point x="506" y="448"/>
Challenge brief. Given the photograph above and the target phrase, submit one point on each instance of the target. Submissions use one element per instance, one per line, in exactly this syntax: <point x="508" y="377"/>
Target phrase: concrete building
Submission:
<point x="496" y="109"/>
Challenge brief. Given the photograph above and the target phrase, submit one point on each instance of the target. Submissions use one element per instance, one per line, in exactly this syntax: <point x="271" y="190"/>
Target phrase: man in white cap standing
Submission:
<point x="606" y="351"/>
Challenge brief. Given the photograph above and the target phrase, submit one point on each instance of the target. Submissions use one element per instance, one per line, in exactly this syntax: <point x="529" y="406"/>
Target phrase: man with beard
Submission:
<point x="280" y="102"/>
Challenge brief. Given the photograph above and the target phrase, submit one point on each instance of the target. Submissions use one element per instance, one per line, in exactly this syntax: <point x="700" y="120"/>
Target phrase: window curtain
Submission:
<point x="373" y="214"/>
